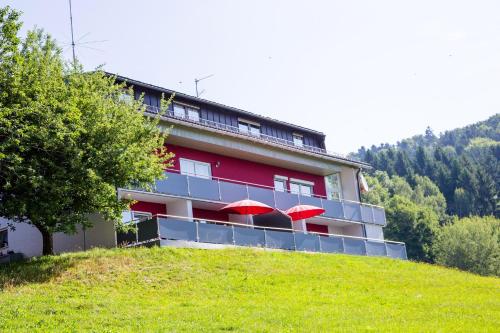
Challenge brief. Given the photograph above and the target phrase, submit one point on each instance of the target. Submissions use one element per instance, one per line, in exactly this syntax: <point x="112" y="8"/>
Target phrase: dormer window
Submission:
<point x="298" y="140"/>
<point x="248" y="127"/>
<point x="186" y="112"/>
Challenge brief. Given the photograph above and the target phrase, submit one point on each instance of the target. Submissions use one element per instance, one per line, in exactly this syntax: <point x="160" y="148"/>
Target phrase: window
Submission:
<point x="4" y="238"/>
<point x="249" y="127"/>
<point x="186" y="112"/>
<point x="298" y="140"/>
<point x="280" y="183"/>
<point x="333" y="186"/>
<point x="301" y="187"/>
<point x="141" y="216"/>
<point x="126" y="98"/>
<point x="195" y="168"/>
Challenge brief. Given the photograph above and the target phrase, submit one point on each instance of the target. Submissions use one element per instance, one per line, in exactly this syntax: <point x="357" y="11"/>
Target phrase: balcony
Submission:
<point x="235" y="130"/>
<point x="226" y="191"/>
<point x="163" y="229"/>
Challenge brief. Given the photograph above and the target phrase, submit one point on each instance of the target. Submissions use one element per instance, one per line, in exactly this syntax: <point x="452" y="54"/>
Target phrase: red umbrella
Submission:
<point x="247" y="207"/>
<point x="301" y="212"/>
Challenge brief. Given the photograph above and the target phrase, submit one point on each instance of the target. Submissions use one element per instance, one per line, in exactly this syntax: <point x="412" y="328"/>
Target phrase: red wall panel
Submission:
<point x="317" y="227"/>
<point x="210" y="214"/>
<point x="150" y="207"/>
<point x="242" y="170"/>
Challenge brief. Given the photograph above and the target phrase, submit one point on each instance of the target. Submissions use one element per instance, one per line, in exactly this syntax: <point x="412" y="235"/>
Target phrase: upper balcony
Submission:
<point x="254" y="135"/>
<point x="221" y="190"/>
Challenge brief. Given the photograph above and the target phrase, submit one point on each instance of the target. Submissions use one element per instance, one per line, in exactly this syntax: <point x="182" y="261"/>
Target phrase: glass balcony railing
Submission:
<point x="253" y="135"/>
<point x="227" y="191"/>
<point x="164" y="228"/>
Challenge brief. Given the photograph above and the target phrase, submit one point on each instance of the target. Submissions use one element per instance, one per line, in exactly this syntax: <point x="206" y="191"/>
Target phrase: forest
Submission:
<point x="440" y="193"/>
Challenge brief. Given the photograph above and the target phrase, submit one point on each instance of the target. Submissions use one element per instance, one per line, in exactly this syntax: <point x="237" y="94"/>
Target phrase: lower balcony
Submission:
<point x="227" y="191"/>
<point x="175" y="230"/>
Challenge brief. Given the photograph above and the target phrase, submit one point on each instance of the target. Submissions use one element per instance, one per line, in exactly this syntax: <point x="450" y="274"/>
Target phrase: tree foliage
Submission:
<point x="68" y="138"/>
<point x="463" y="163"/>
<point x="471" y="244"/>
<point x="413" y="213"/>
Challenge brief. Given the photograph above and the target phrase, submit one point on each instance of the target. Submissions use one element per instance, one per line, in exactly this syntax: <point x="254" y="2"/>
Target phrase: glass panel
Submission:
<point x="147" y="230"/>
<point x="126" y="216"/>
<point x="231" y="192"/>
<point x="187" y="167"/>
<point x="280" y="240"/>
<point x="333" y="188"/>
<point x="202" y="170"/>
<point x="396" y="250"/>
<point x="294" y="188"/>
<point x="140" y="216"/>
<point x="354" y="246"/>
<point x="179" y="111"/>
<point x="279" y="185"/>
<point x="305" y="190"/>
<point x="254" y="130"/>
<point x="298" y="141"/>
<point x="193" y="114"/>
<point x="260" y="194"/>
<point x="174" y="184"/>
<point x="331" y="244"/>
<point x="249" y="237"/>
<point x="203" y="188"/>
<point x="213" y="233"/>
<point x="307" y="242"/>
<point x="176" y="229"/>
<point x="243" y="127"/>
<point x="375" y="248"/>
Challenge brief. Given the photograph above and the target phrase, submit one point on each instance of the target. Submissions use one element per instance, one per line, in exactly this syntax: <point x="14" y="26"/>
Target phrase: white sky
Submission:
<point x="363" y="72"/>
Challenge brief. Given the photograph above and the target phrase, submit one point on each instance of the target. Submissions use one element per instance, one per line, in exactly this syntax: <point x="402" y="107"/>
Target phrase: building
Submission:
<point x="224" y="154"/>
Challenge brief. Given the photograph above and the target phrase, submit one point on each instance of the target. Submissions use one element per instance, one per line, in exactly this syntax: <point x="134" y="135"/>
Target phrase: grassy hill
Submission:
<point x="187" y="290"/>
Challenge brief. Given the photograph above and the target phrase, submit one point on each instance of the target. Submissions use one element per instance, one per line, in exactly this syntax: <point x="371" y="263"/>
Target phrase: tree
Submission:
<point x="68" y="138"/>
<point x="415" y="225"/>
<point x="471" y="244"/>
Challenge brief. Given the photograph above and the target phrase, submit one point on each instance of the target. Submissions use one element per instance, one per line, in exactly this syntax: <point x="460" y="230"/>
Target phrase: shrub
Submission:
<point x="471" y="244"/>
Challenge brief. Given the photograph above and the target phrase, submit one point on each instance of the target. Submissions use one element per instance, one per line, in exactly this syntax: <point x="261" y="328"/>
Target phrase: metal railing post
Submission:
<point x="248" y="192"/>
<point x="366" y="248"/>
<point x="373" y="214"/>
<point x="343" y="209"/>
<point x="265" y="238"/>
<point x="218" y="186"/>
<point x="343" y="245"/>
<point x="188" y="185"/>
<point x="319" y="242"/>
<point x="232" y="230"/>
<point x="197" y="231"/>
<point x="294" y="241"/>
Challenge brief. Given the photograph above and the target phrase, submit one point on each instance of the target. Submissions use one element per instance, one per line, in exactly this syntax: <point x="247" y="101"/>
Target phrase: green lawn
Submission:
<point x="243" y="290"/>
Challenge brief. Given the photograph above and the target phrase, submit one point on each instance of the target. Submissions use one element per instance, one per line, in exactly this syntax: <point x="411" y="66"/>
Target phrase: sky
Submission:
<point x="362" y="72"/>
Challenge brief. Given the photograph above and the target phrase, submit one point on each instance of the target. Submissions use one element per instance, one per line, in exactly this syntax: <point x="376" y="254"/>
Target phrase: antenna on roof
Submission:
<point x="198" y="94"/>
<point x="79" y="42"/>
<point x="72" y="37"/>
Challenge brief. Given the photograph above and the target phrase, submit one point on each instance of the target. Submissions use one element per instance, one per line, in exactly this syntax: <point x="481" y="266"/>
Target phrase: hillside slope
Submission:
<point x="464" y="163"/>
<point x="187" y="290"/>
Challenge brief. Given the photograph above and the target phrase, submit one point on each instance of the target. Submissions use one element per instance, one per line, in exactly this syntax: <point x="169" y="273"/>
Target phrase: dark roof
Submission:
<point x="205" y="101"/>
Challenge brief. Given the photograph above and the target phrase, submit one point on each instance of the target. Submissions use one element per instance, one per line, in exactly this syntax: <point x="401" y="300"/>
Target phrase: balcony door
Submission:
<point x="195" y="168"/>
<point x="333" y="186"/>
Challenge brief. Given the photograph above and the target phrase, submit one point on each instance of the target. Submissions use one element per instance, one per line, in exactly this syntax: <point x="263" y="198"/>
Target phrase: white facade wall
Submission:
<point x="374" y="231"/>
<point x="27" y="240"/>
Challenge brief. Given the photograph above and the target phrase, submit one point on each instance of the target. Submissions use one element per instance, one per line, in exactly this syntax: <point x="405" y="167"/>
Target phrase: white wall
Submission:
<point x="374" y="231"/>
<point x="353" y="230"/>
<point x="27" y="239"/>
<point x="180" y="207"/>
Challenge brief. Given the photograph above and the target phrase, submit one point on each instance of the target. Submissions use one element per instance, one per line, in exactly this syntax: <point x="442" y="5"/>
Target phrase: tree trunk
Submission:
<point x="47" y="240"/>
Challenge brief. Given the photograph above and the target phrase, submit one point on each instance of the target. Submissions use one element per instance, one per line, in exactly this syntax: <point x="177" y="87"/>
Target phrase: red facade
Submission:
<point x="244" y="171"/>
<point x="150" y="207"/>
